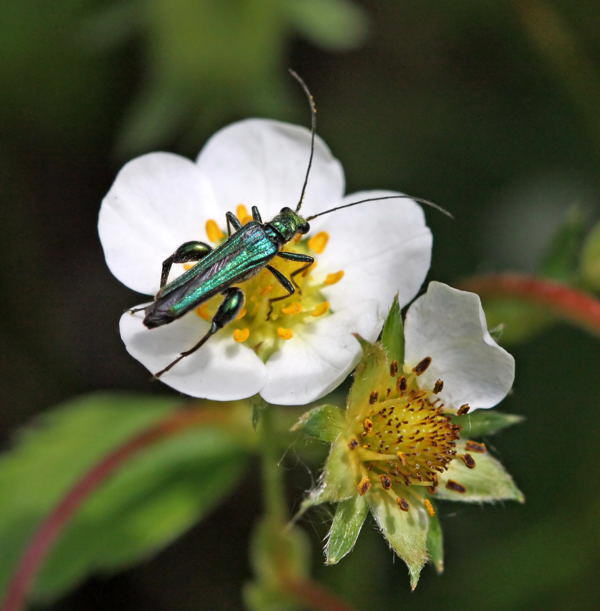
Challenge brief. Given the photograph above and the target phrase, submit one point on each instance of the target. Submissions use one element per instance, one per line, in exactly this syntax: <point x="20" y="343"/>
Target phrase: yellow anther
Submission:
<point x="241" y="314"/>
<point x="267" y="289"/>
<point x="321" y="309"/>
<point x="213" y="231"/>
<point x="402" y="457"/>
<point x="363" y="486"/>
<point x="187" y="266"/>
<point x="333" y="278"/>
<point x="429" y="507"/>
<point x="318" y="242"/>
<point x="285" y="333"/>
<point x="203" y="312"/>
<point x="294" y="308"/>
<point x="242" y="213"/>
<point x="241" y="335"/>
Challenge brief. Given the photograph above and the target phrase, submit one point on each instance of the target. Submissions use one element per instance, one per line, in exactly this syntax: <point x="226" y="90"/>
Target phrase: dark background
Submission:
<point x="488" y="108"/>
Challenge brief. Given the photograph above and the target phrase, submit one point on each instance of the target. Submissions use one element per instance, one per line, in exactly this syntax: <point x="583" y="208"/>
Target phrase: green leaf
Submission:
<point x="435" y="543"/>
<point x="405" y="531"/>
<point x="332" y="24"/>
<point x="345" y="528"/>
<point x="324" y="422"/>
<point x="485" y="422"/>
<point x="392" y="336"/>
<point x="590" y="259"/>
<point x="152" y="499"/>
<point x="560" y="261"/>
<point x="487" y="481"/>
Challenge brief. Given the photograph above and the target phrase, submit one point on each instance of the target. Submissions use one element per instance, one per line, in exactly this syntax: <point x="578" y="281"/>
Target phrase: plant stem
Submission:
<point x="274" y="496"/>
<point x="54" y="523"/>
<point x="571" y="304"/>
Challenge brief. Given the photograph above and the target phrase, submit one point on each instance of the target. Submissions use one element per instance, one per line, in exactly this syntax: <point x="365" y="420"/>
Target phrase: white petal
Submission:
<point x="262" y="162"/>
<point x="319" y="356"/>
<point x="449" y="326"/>
<point x="384" y="248"/>
<point x="157" y="202"/>
<point x="221" y="370"/>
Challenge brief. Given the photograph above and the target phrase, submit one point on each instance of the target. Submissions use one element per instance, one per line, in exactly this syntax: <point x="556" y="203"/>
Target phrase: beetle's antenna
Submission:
<point x="313" y="130"/>
<point x="377" y="199"/>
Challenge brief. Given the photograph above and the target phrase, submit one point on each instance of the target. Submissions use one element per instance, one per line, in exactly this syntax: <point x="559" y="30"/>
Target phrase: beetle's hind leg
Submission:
<point x="228" y="310"/>
<point x="187" y="252"/>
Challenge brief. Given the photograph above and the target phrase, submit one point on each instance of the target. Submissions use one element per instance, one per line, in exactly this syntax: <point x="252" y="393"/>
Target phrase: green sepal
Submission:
<point x="590" y="259"/>
<point x="435" y="543"/>
<point x="405" y="531"/>
<point x="484" y="422"/>
<point x="561" y="257"/>
<point x="488" y="481"/>
<point x="392" y="336"/>
<point x="338" y="480"/>
<point x="345" y="528"/>
<point x="278" y="553"/>
<point x="371" y="374"/>
<point x="324" y="422"/>
<point x="518" y="320"/>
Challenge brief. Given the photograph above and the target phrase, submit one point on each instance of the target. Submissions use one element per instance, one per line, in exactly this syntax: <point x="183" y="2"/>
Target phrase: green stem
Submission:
<point x="274" y="496"/>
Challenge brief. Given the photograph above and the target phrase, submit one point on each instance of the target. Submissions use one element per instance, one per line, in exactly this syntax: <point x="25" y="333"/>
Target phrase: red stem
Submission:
<point x="54" y="523"/>
<point x="564" y="301"/>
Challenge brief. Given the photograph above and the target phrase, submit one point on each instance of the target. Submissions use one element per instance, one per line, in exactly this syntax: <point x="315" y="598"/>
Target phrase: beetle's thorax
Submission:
<point x="287" y="224"/>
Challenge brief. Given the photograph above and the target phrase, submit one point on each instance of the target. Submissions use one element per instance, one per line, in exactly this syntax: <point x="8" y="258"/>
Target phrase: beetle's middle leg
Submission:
<point x="187" y="252"/>
<point x="228" y="310"/>
<point x="301" y="258"/>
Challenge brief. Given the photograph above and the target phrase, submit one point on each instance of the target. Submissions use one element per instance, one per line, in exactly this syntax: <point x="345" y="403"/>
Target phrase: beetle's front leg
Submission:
<point x="188" y="251"/>
<point x="285" y="283"/>
<point x="297" y="256"/>
<point x="232" y="221"/>
<point x="228" y="310"/>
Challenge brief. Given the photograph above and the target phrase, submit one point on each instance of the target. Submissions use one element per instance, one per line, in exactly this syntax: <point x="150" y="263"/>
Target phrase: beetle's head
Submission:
<point x="288" y="223"/>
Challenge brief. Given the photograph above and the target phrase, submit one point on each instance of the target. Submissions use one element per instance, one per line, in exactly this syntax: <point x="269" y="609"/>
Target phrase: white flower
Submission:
<point x="364" y="255"/>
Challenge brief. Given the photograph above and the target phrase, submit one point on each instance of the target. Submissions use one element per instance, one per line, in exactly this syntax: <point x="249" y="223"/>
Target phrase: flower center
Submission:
<point x="406" y="438"/>
<point x="263" y="323"/>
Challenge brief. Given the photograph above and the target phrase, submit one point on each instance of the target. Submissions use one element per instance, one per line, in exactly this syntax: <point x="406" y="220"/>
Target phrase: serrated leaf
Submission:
<point x="405" y="531"/>
<point x="435" y="543"/>
<point x="487" y="481"/>
<point x="590" y="259"/>
<point x="485" y="422"/>
<point x="155" y="496"/>
<point x="324" y="422"/>
<point x="560" y="260"/>
<point x="392" y="336"/>
<point x="345" y="528"/>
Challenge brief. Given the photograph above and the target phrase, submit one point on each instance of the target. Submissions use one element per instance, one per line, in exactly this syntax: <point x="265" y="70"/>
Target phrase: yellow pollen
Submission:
<point x="241" y="335"/>
<point x="187" y="266"/>
<point x="213" y="231"/>
<point x="203" y="312"/>
<point x="242" y="213"/>
<point x="429" y="507"/>
<point x="285" y="333"/>
<point x="333" y="278"/>
<point x="241" y="314"/>
<point x="318" y="242"/>
<point x="294" y="308"/>
<point x="321" y="309"/>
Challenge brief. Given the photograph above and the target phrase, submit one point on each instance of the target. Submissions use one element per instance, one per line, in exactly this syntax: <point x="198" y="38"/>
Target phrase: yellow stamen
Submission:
<point x="203" y="312"/>
<point x="267" y="289"/>
<point x="318" y="242"/>
<point x="242" y="212"/>
<point x="242" y="313"/>
<point x="321" y="309"/>
<point x="285" y="333"/>
<point x="429" y="507"/>
<point x="294" y="308"/>
<point x="333" y="278"/>
<point x="213" y="231"/>
<point x="363" y="486"/>
<point x="241" y="335"/>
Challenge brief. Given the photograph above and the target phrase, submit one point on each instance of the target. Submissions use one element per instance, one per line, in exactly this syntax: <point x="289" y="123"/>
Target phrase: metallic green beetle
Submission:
<point x="244" y="254"/>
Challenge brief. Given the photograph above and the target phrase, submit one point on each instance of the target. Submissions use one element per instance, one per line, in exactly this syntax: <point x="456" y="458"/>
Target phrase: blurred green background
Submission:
<point x="488" y="108"/>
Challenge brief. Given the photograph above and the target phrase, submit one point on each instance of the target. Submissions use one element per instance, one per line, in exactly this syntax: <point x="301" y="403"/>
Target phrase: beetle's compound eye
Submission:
<point x="304" y="227"/>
